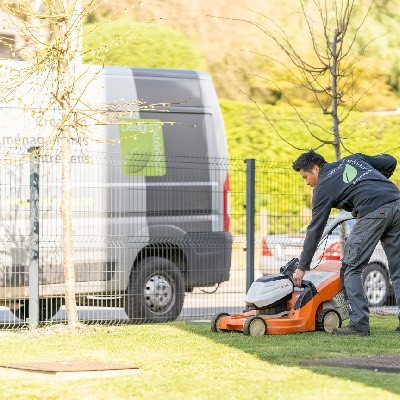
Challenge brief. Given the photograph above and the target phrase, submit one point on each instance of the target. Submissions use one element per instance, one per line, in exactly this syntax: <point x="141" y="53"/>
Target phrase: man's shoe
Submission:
<point x="348" y="331"/>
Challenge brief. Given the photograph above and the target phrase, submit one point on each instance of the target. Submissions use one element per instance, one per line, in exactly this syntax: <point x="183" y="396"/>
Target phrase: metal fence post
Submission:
<point x="34" y="240"/>
<point x="250" y="215"/>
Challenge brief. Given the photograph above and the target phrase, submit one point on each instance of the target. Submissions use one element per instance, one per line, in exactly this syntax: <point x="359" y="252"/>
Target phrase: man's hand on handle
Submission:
<point x="298" y="277"/>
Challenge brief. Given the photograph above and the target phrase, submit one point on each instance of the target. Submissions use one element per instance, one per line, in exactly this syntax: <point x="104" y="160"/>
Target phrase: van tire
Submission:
<point x="48" y="308"/>
<point x="156" y="291"/>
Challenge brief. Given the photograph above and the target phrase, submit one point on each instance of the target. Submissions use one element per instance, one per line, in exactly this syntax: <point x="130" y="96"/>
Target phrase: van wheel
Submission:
<point x="48" y="308"/>
<point x="376" y="284"/>
<point x="156" y="291"/>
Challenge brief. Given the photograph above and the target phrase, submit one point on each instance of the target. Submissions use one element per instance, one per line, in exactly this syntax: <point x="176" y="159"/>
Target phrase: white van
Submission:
<point x="150" y="197"/>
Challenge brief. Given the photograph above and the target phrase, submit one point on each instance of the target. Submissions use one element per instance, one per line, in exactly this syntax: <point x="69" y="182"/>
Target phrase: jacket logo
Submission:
<point x="349" y="173"/>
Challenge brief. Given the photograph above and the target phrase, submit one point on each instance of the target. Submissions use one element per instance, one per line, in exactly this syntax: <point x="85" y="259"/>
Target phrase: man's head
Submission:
<point x="309" y="164"/>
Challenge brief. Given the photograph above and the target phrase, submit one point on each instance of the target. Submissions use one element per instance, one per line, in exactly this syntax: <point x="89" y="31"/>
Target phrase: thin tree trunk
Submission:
<point x="68" y="66"/>
<point x="68" y="244"/>
<point x="335" y="94"/>
<point x="335" y="118"/>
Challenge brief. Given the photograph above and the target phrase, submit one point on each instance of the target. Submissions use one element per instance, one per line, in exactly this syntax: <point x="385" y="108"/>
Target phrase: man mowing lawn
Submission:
<point x="359" y="184"/>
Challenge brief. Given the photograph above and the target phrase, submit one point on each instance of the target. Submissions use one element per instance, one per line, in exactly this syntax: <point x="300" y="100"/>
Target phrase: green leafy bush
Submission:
<point x="148" y="45"/>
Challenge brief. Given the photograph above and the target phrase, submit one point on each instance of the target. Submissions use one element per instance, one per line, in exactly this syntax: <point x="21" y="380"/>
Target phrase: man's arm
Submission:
<point x="322" y="205"/>
<point x="384" y="163"/>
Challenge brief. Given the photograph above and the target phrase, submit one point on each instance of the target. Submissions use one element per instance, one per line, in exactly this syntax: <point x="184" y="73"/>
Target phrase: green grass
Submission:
<point x="187" y="361"/>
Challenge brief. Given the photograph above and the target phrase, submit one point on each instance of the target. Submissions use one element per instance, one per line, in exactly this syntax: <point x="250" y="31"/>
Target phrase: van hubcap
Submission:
<point x="158" y="292"/>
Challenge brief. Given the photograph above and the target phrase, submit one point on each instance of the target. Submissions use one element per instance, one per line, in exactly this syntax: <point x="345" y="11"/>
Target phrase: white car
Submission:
<point x="277" y="250"/>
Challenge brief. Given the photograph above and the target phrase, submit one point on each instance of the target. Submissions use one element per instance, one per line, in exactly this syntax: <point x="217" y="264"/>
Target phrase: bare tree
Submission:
<point x="330" y="72"/>
<point x="328" y="69"/>
<point x="54" y="74"/>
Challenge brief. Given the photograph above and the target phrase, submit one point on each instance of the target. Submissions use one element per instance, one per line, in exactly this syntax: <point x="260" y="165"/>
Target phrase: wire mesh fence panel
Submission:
<point x="282" y="210"/>
<point x="156" y="238"/>
<point x="152" y="238"/>
<point x="14" y="233"/>
<point x="227" y="295"/>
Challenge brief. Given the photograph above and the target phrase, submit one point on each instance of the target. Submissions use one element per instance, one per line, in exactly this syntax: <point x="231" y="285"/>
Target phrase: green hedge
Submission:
<point x="279" y="189"/>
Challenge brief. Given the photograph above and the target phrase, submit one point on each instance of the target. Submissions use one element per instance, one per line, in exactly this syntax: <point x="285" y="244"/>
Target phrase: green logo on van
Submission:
<point x="142" y="147"/>
<point x="349" y="173"/>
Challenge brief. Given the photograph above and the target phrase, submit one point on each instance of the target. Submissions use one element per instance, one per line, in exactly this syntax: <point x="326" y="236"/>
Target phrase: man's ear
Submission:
<point x="316" y="169"/>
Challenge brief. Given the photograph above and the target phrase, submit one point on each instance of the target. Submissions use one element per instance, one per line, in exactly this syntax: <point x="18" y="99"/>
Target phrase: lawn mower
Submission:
<point x="276" y="307"/>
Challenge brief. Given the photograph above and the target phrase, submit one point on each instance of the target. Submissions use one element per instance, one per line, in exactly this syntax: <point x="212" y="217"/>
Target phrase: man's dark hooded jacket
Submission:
<point x="358" y="183"/>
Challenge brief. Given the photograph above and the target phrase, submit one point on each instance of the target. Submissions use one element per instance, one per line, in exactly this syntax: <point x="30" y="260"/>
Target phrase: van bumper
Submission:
<point x="208" y="257"/>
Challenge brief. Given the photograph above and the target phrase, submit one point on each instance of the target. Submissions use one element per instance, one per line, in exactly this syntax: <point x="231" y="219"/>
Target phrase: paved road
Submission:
<point x="195" y="307"/>
<point x="198" y="305"/>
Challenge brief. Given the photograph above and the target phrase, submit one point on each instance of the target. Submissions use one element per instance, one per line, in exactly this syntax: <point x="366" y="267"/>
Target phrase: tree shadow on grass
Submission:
<point x="290" y="350"/>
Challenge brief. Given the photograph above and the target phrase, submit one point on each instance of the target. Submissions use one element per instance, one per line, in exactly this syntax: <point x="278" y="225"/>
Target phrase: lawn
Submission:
<point x="184" y="360"/>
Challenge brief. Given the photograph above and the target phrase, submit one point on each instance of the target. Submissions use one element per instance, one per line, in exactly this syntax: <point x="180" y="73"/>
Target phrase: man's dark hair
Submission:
<point x="307" y="160"/>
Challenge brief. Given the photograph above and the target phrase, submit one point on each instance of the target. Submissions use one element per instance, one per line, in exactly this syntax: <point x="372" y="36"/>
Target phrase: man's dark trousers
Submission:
<point x="381" y="224"/>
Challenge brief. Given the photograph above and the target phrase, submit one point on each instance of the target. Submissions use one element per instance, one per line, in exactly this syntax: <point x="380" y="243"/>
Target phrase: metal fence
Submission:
<point x="155" y="238"/>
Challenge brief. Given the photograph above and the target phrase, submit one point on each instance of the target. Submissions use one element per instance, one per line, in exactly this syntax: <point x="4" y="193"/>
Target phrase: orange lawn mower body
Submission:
<point x="320" y="306"/>
<point x="277" y="307"/>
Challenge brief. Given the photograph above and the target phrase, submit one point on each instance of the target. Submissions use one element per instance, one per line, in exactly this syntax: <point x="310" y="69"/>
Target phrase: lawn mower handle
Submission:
<point x="339" y="219"/>
<point x="289" y="268"/>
